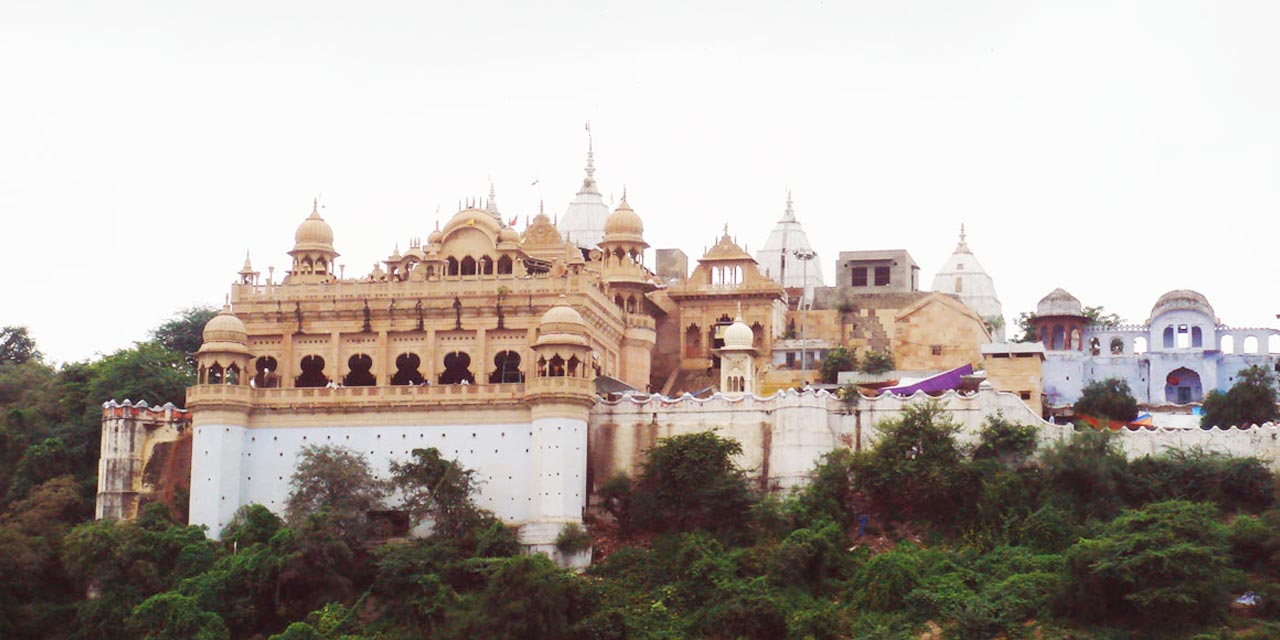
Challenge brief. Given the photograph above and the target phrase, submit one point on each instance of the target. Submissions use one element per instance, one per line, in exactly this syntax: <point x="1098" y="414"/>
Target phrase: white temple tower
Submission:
<point x="778" y="260"/>
<point x="583" y="222"/>
<point x="963" y="276"/>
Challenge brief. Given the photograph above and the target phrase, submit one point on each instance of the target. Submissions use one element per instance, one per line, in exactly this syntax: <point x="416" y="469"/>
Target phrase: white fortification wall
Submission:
<point x="525" y="471"/>
<point x="784" y="436"/>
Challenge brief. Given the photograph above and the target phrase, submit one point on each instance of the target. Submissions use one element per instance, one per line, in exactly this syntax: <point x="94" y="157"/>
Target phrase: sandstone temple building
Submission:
<point x="551" y="357"/>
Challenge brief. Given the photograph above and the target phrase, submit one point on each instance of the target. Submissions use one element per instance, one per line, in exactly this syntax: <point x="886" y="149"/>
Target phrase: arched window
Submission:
<point x="504" y="265"/>
<point x="451" y="266"/>
<point x="1117" y="346"/>
<point x="506" y="368"/>
<point x="1273" y="344"/>
<point x="407" y="370"/>
<point x="312" y="373"/>
<point x="215" y="374"/>
<point x="692" y="341"/>
<point x="555" y="368"/>
<point x="1139" y="345"/>
<point x="1075" y="340"/>
<point x="1059" y="338"/>
<point x="233" y="374"/>
<point x="617" y="299"/>
<point x="457" y="369"/>
<point x="360" y="374"/>
<point x="1095" y="346"/>
<point x="468" y="266"/>
<point x="631" y="304"/>
<point x="1227" y="344"/>
<point x="1168" y="338"/>
<point x="1250" y="344"/>
<point x="542" y="368"/>
<point x="322" y="266"/>
<point x="574" y="366"/>
<point x="486" y="265"/>
<point x="757" y="336"/>
<point x="266" y="378"/>
<point x="1197" y="338"/>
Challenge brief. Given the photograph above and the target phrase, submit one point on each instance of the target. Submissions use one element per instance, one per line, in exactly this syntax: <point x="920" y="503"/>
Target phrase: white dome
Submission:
<point x="739" y="336"/>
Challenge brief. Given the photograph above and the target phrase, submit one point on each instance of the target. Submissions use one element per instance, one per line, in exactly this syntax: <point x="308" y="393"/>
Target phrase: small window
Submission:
<point x="959" y="266"/>
<point x="1025" y="395"/>
<point x="882" y="276"/>
<point x="936" y="349"/>
<point x="859" y="277"/>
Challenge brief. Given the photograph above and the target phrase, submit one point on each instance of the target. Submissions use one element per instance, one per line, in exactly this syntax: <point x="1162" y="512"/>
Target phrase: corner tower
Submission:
<point x="559" y="394"/>
<point x="628" y="281"/>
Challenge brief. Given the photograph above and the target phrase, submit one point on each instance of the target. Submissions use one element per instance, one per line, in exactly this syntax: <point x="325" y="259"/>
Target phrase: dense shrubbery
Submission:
<point x="994" y="538"/>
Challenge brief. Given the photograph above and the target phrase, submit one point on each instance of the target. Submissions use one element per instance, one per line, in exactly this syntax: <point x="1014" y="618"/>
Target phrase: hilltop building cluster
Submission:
<point x="549" y="357"/>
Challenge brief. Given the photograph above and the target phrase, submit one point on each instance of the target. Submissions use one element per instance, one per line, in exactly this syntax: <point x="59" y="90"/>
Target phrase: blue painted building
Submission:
<point x="1181" y="354"/>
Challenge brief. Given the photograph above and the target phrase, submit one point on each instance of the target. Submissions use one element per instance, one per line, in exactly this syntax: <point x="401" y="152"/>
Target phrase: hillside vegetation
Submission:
<point x="917" y="537"/>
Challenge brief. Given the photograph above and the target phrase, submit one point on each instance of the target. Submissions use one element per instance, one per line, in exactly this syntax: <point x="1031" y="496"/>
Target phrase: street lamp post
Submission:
<point x="804" y="256"/>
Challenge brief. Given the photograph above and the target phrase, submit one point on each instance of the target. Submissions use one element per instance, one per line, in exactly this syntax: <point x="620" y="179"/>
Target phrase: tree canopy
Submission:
<point x="1110" y="398"/>
<point x="1250" y="401"/>
<point x="17" y="346"/>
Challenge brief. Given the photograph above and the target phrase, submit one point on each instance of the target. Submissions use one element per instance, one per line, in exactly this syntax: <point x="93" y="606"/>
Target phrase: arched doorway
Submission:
<point x="1182" y="386"/>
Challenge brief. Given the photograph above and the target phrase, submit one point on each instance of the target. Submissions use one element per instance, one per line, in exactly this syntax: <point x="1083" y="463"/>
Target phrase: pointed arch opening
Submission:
<point x="486" y="265"/>
<point x="468" y="266"/>
<point x="312" y="372"/>
<point x="360" y="372"/>
<point x="215" y="374"/>
<point x="506" y="368"/>
<point x="504" y="265"/>
<point x="266" y="377"/>
<point x="457" y="369"/>
<point x="407" y="372"/>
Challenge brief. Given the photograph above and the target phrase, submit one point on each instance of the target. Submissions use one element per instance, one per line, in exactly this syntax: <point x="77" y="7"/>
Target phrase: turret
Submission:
<point x="737" y="359"/>
<point x="559" y="393"/>
<point x="313" y="252"/>
<point x="220" y="403"/>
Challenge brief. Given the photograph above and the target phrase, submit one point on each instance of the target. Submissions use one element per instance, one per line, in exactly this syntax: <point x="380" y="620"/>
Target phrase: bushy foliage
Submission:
<point x="1110" y="398"/>
<point x="1250" y="401"/>
<point x="1008" y="442"/>
<point x="876" y="362"/>
<point x="1164" y="566"/>
<point x="333" y="487"/>
<point x="1086" y="473"/>
<point x="916" y="469"/>
<point x="691" y="482"/>
<point x="837" y="360"/>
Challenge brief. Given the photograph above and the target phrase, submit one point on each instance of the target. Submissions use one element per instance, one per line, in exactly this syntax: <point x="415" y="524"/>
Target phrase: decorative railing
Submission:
<point x="342" y="397"/>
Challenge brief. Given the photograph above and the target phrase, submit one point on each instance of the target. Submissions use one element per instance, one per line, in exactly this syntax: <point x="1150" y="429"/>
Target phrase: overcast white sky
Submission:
<point x="1118" y="150"/>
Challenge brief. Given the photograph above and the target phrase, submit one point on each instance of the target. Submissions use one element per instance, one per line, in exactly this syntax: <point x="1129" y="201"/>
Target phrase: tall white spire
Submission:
<point x="584" y="219"/>
<point x="777" y="258"/>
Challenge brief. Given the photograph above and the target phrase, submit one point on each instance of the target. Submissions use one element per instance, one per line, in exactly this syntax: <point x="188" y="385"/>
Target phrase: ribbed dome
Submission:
<point x="739" y="336"/>
<point x="507" y="234"/>
<point x="313" y="231"/>
<point x="1182" y="299"/>
<point x="1059" y="303"/>
<point x="472" y="218"/>
<point x="562" y="324"/>
<point x="624" y="221"/>
<point x="225" y="332"/>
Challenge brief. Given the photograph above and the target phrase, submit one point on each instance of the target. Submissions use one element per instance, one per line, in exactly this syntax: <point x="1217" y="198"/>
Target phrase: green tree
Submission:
<point x="336" y="483"/>
<point x="691" y="482"/>
<point x="184" y="332"/>
<point x="251" y="524"/>
<point x="916" y="469"/>
<point x="522" y="597"/>
<point x="1086" y="472"/>
<point x="1027" y="325"/>
<point x="837" y="360"/>
<point x="173" y="616"/>
<point x="17" y="346"/>
<point x="1009" y="442"/>
<point x="1162" y="567"/>
<point x="875" y="362"/>
<point x="1099" y="316"/>
<point x="437" y="489"/>
<point x="1110" y="398"/>
<point x="1251" y="400"/>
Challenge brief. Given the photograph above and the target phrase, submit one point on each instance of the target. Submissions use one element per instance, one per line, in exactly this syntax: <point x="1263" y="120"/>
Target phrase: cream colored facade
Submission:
<point x="1017" y="368"/>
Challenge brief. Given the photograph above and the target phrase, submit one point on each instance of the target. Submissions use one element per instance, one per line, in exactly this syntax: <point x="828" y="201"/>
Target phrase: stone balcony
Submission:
<point x="353" y="399"/>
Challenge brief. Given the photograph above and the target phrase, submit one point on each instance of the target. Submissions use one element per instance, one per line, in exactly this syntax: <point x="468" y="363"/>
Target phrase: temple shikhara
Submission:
<point x="550" y="357"/>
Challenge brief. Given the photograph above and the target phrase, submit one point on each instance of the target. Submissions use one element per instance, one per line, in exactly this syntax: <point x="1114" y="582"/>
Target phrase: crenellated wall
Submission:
<point x="145" y="457"/>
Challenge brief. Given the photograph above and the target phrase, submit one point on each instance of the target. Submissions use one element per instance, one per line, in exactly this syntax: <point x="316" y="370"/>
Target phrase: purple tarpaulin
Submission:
<point x="934" y="384"/>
